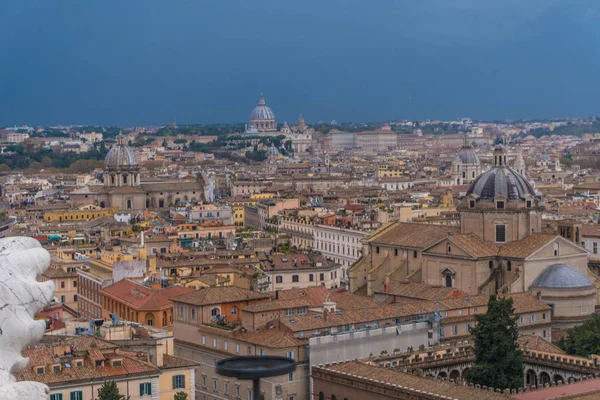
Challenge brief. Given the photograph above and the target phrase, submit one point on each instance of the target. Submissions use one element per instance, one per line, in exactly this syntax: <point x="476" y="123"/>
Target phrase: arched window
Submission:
<point x="112" y="179"/>
<point x="124" y="179"/>
<point x="448" y="280"/>
<point x="491" y="263"/>
<point x="129" y="207"/>
<point x="333" y="397"/>
<point x="321" y="396"/>
<point x="233" y="310"/>
<point x="149" y="319"/>
<point x="509" y="266"/>
<point x="555" y="249"/>
<point x="214" y="313"/>
<point x="161" y="203"/>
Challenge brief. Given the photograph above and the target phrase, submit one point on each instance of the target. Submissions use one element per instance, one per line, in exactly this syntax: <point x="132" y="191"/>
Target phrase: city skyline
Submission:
<point x="127" y="65"/>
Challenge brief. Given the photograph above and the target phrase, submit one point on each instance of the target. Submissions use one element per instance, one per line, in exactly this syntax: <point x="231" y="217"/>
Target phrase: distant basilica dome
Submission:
<point x="467" y="155"/>
<point x="120" y="156"/>
<point x="262" y="117"/>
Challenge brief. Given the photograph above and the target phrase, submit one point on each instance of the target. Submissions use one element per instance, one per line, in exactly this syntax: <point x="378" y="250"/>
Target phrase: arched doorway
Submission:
<point x="571" y="380"/>
<point x="321" y="396"/>
<point x="558" y="378"/>
<point x="442" y="375"/>
<point x="149" y="319"/>
<point x="102" y="204"/>
<point x="214" y="313"/>
<point x="544" y="378"/>
<point x="455" y="374"/>
<point x="531" y="378"/>
<point x="164" y="318"/>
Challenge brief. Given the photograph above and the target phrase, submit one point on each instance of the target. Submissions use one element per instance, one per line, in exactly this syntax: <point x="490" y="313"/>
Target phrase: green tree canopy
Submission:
<point x="583" y="340"/>
<point x="499" y="360"/>
<point x="180" y="396"/>
<point x="110" y="391"/>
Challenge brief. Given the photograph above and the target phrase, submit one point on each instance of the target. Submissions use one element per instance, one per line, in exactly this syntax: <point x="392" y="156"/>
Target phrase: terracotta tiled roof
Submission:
<point x="410" y="234"/>
<point x="526" y="246"/>
<point x="276" y="305"/>
<point x="590" y="230"/>
<point x="227" y="294"/>
<point x="419" y="291"/>
<point x="141" y="297"/>
<point x="391" y="377"/>
<point x="474" y="245"/>
<point x="176" y="362"/>
<point x="68" y="373"/>
<point x="537" y="343"/>
<point x="317" y="295"/>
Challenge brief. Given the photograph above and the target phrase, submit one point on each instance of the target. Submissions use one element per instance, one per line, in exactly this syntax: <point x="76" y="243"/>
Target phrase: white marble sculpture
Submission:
<point x="21" y="260"/>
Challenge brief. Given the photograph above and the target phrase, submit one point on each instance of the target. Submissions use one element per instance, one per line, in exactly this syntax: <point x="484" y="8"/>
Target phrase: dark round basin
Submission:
<point x="255" y="367"/>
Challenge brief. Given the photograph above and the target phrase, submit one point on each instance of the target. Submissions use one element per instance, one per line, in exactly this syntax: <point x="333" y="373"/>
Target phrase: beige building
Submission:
<point x="75" y="368"/>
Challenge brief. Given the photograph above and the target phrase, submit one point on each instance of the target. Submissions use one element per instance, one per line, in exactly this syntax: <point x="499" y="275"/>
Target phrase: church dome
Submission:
<point x="561" y="276"/>
<point x="120" y="156"/>
<point x="262" y="111"/>
<point x="501" y="181"/>
<point x="467" y="155"/>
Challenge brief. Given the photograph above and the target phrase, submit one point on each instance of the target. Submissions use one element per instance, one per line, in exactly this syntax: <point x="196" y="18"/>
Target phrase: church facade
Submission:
<point x="123" y="188"/>
<point x="498" y="248"/>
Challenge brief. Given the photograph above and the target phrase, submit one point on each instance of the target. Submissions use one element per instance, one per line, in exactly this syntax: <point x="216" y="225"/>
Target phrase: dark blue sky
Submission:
<point x="146" y="61"/>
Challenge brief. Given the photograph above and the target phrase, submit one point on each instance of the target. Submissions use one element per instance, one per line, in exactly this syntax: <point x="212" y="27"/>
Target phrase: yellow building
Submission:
<point x="390" y="171"/>
<point x="84" y="213"/>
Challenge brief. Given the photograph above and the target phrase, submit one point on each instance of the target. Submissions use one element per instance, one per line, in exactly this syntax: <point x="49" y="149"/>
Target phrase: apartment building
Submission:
<point x="341" y="245"/>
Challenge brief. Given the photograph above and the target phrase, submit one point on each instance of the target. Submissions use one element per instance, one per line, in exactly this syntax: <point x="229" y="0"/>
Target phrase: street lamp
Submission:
<point x="255" y="368"/>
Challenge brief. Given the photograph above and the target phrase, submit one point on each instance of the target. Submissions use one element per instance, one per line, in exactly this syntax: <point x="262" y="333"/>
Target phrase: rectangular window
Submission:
<point x="179" y="381"/>
<point x="311" y="277"/>
<point x="203" y="339"/>
<point x="291" y="377"/>
<point x="543" y="315"/>
<point x="544" y="333"/>
<point x="237" y="391"/>
<point x="261" y="352"/>
<point x="237" y="347"/>
<point x="500" y="205"/>
<point x="193" y="313"/>
<point x="595" y="247"/>
<point x="215" y="384"/>
<point x="145" y="389"/>
<point x="522" y="320"/>
<point x="249" y="394"/>
<point x="455" y="329"/>
<point x="532" y="318"/>
<point x="290" y="354"/>
<point x="56" y="396"/>
<point x="322" y="277"/>
<point x="501" y="233"/>
<point x="214" y="342"/>
<point x="278" y="279"/>
<point x="225" y="345"/>
<point x="249" y="350"/>
<point x="377" y="249"/>
<point x="226" y="387"/>
<point x="396" y="252"/>
<point x="77" y="395"/>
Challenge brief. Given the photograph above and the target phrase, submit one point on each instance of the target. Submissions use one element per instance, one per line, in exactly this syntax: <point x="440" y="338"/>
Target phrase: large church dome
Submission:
<point x="501" y="181"/>
<point x="120" y="156"/>
<point x="262" y="111"/>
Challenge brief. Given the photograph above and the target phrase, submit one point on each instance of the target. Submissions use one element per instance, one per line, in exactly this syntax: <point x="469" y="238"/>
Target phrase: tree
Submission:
<point x="46" y="162"/>
<point x="180" y="396"/>
<point x="583" y="340"/>
<point x="499" y="360"/>
<point x="110" y="391"/>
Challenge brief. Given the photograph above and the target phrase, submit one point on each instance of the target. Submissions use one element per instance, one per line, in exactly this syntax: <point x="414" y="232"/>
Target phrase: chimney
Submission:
<point x="538" y="295"/>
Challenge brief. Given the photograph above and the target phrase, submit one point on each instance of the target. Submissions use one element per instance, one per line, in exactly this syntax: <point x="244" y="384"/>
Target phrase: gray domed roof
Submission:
<point x="262" y="111"/>
<point x="120" y="155"/>
<point x="467" y="155"/>
<point x="561" y="276"/>
<point x="501" y="181"/>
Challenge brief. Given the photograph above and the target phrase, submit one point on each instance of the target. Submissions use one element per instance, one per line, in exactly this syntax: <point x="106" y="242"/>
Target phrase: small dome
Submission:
<point x="120" y="155"/>
<point x="501" y="182"/>
<point x="499" y="148"/>
<point x="467" y="155"/>
<point x="262" y="111"/>
<point x="561" y="276"/>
